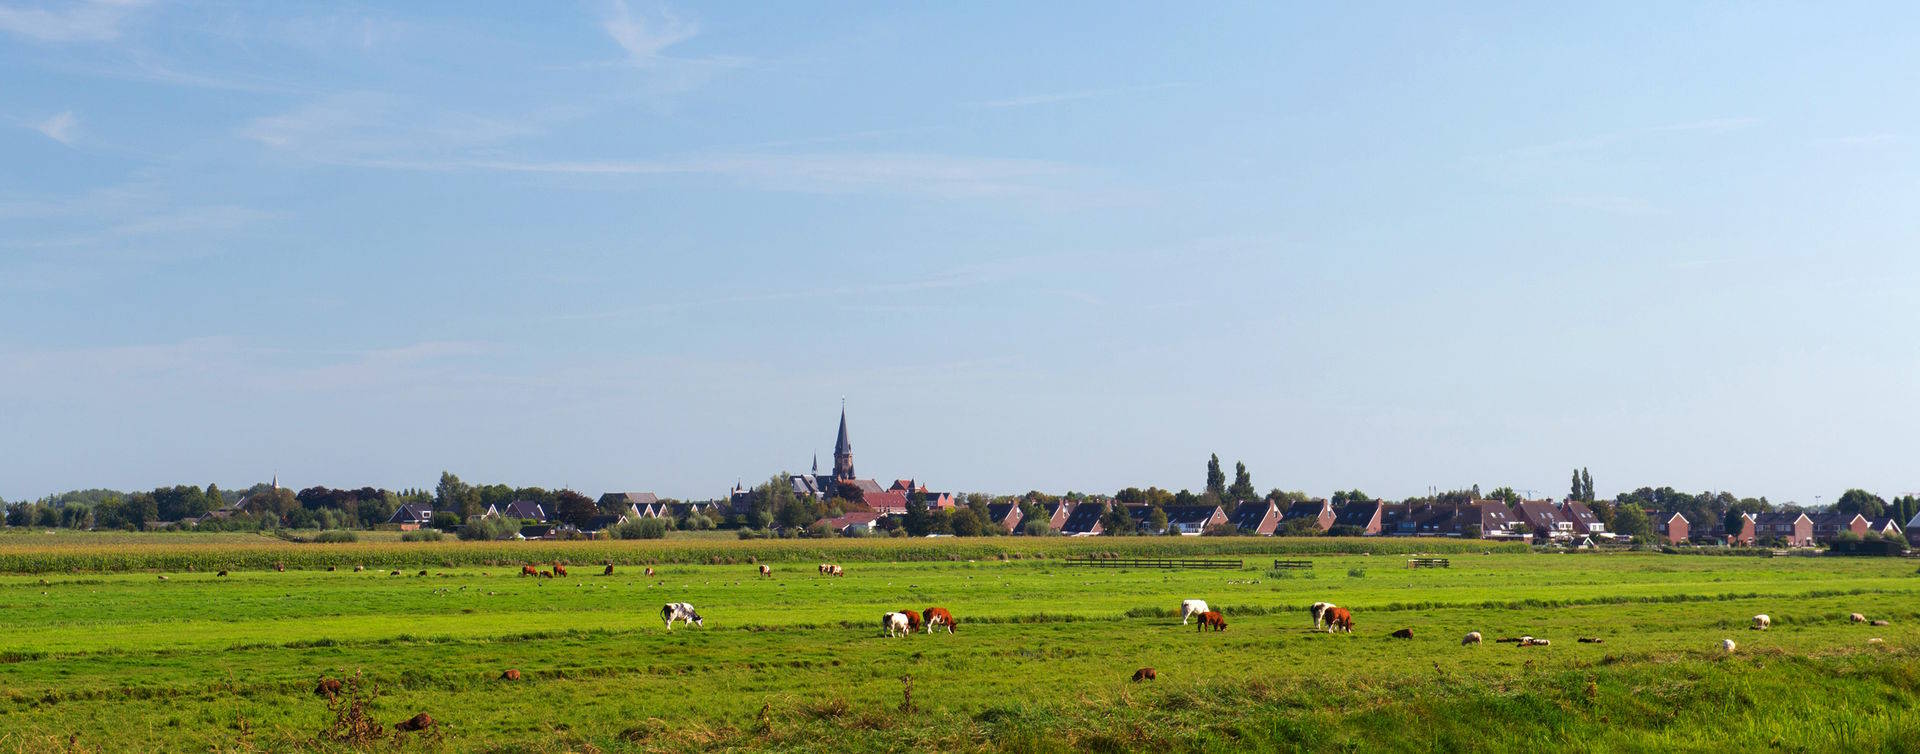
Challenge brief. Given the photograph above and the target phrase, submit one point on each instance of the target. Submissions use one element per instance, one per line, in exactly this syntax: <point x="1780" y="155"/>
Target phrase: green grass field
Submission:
<point x="120" y="660"/>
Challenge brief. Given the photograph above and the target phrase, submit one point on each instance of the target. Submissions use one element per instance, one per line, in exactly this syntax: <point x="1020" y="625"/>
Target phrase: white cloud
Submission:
<point x="59" y="128"/>
<point x="1055" y="97"/>
<point x="646" y="39"/>
<point x="94" y="21"/>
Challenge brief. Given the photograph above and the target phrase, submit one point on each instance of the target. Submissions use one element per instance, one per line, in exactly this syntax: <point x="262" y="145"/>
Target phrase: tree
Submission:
<point x="966" y="523"/>
<point x="451" y="495"/>
<point x="1242" y="490"/>
<point x="1586" y="486"/>
<point x="1036" y="527"/>
<point x="1350" y="496"/>
<point x="1579" y="491"/>
<point x="918" y="522"/>
<point x="1862" y="502"/>
<point x="1505" y="495"/>
<point x="1116" y="521"/>
<point x="1216" y="479"/>
<point x="1631" y="520"/>
<point x="1156" y="520"/>
<point x="1299" y="527"/>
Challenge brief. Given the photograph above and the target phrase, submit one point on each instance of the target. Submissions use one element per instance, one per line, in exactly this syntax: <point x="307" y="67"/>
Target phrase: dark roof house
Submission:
<point x="1367" y="517"/>
<point x="1318" y="511"/>
<point x="1084" y="520"/>
<point x="412" y="516"/>
<point x="1005" y="515"/>
<point x="526" y="509"/>
<point x="1262" y="518"/>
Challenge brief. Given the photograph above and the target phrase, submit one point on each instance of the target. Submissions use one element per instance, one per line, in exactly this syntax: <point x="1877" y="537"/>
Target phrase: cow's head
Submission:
<point x="696" y="619"/>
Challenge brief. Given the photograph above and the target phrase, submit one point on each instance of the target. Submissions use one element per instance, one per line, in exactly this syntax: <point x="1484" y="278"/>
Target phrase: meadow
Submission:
<point x="112" y="658"/>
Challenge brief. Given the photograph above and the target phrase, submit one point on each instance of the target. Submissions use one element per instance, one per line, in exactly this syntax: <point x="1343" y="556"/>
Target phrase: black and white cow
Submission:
<point x="682" y="611"/>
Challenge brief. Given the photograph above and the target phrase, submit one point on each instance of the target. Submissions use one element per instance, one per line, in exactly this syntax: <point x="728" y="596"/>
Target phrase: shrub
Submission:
<point x="646" y="528"/>
<point x="1036" y="528"/>
<point x="421" y="535"/>
<point x="487" y="529"/>
<point x="1356" y="573"/>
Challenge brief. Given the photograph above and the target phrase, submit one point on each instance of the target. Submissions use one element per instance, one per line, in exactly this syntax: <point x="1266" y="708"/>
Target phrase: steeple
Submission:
<point x="842" y="448"/>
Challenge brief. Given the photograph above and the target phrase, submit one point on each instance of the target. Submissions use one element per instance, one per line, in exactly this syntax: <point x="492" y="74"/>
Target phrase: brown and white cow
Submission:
<point x="938" y="616"/>
<point x="1339" y="619"/>
<point x="767" y="571"/>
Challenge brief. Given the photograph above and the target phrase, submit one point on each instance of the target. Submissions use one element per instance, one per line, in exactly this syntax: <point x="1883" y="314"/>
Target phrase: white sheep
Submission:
<point x="1761" y="622"/>
<point x="1726" y="645"/>
<point x="1473" y="637"/>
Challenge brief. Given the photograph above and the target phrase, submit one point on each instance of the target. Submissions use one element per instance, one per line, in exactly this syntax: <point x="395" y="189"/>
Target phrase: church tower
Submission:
<point x="843" y="450"/>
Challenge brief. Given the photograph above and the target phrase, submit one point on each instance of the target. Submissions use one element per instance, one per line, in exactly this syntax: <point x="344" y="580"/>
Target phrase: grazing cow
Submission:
<point x="681" y="611"/>
<point x="1761" y="622"/>
<point x="836" y="571"/>
<point x="163" y="577"/>
<point x="895" y="624"/>
<point x="1881" y="623"/>
<point x="543" y="574"/>
<point x="527" y="570"/>
<point x="510" y="675"/>
<point x="1319" y="612"/>
<point x="423" y="573"/>
<point x="609" y="571"/>
<point x="222" y="573"/>
<point x="395" y="572"/>
<point x="1473" y="637"/>
<point x="1405" y="633"/>
<point x="329" y="569"/>
<point x="1857" y="618"/>
<point x="1340" y="619"/>
<point x="767" y="571"/>
<point x="823" y="568"/>
<point x="328" y="687"/>
<point x="281" y="567"/>
<point x="1529" y="641"/>
<point x="649" y="571"/>
<point x="1591" y="640"/>
<point x="418" y="722"/>
<point x="1726" y="645"/>
<point x="913" y="619"/>
<point x="559" y="571"/>
<point x="1212" y="619"/>
<point x="1144" y="674"/>
<point x="359" y="568"/>
<point x="937" y="617"/>
<point x="1190" y="608"/>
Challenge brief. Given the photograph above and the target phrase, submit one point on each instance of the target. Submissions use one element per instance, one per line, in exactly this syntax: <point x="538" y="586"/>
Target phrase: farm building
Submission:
<point x="412" y="516"/>
<point x="854" y="522"/>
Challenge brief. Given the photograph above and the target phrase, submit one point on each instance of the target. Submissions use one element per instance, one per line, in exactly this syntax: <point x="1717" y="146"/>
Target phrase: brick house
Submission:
<point x="1005" y="515"/>
<point x="1796" y="529"/>
<point x="1319" y="511"/>
<point x="1084" y="520"/>
<point x="412" y="516"/>
<point x="1261" y="518"/>
<point x="1828" y="525"/>
<point x="1363" y="516"/>
<point x="1545" y="520"/>
<point x="1669" y="527"/>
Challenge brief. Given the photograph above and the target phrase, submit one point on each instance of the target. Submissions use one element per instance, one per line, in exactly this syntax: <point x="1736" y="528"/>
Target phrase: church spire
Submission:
<point x="842" y="448"/>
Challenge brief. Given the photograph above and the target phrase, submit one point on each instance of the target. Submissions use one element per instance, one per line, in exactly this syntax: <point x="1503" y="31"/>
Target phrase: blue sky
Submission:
<point x="1067" y="246"/>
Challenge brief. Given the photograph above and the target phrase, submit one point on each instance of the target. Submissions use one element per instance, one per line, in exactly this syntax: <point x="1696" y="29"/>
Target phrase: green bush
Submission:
<point x="488" y="529"/>
<point x="421" y="535"/>
<point x="645" y="528"/>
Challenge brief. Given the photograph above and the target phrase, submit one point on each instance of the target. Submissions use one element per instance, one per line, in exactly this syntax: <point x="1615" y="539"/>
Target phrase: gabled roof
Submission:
<point x="412" y="513"/>
<point x="629" y="498"/>
<point x="1084" y="518"/>
<point x="1836" y="518"/>
<point x="885" y="501"/>
<point x="1540" y="513"/>
<point x="866" y="485"/>
<point x="1190" y="515"/>
<point x="602" y="522"/>
<point x="998" y="512"/>
<point x="1250" y="515"/>
<point x="1306" y="509"/>
<point x="1579" y="513"/>
<point x="852" y="518"/>
<point x="1775" y="517"/>
<point x="1356" y="514"/>
<point x="525" y="509"/>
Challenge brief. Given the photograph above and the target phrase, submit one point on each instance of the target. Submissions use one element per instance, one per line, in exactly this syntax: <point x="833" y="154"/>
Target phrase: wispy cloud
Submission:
<point x="92" y="21"/>
<point x="645" y="39"/>
<point x="1084" y="94"/>
<point x="1616" y="138"/>
<point x="61" y="128"/>
<point x="360" y="127"/>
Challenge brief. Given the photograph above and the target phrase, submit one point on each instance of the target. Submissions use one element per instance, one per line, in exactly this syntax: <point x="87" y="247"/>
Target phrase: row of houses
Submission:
<point x="1542" y="521"/>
